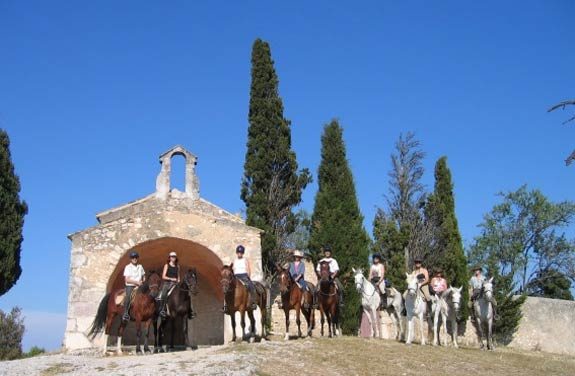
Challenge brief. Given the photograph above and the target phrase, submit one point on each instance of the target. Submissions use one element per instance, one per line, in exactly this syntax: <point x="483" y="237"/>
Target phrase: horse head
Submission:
<point x="190" y="281"/>
<point x="153" y="280"/>
<point x="284" y="278"/>
<point x="456" y="298"/>
<point x="412" y="284"/>
<point x="358" y="278"/>
<point x="228" y="278"/>
<point x="487" y="289"/>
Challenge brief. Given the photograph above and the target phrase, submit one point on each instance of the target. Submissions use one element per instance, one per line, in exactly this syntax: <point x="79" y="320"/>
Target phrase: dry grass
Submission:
<point x="58" y="369"/>
<point x="357" y="356"/>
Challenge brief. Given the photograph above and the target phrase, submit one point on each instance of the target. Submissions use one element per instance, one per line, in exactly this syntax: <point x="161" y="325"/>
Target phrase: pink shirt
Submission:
<point x="438" y="284"/>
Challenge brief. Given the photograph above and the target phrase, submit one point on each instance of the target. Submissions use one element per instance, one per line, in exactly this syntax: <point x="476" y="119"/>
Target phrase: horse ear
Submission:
<point x="278" y="267"/>
<point x="232" y="265"/>
<point x="458" y="289"/>
<point x="407" y="275"/>
<point x="355" y="271"/>
<point x="490" y="280"/>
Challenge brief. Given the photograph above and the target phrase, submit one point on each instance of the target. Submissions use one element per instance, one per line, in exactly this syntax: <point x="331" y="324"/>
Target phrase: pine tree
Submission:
<point x="337" y="221"/>
<point x="441" y="210"/>
<point x="271" y="187"/>
<point x="12" y="212"/>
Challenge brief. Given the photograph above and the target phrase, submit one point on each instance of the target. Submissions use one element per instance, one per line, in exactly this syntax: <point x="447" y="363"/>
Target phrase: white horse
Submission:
<point x="415" y="305"/>
<point x="394" y="307"/>
<point x="370" y="301"/>
<point x="483" y="309"/>
<point x="447" y="306"/>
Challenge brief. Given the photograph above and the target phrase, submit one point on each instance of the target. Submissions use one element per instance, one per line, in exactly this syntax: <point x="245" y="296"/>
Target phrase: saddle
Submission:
<point x="120" y="297"/>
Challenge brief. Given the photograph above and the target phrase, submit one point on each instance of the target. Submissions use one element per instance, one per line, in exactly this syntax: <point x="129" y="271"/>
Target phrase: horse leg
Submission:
<point x="120" y="334"/>
<point x="435" y="314"/>
<point x="443" y="329"/>
<point x="480" y="332"/>
<point x="109" y="321"/>
<point x="185" y="332"/>
<point x="454" y="332"/>
<point x="286" y="312"/>
<point x="147" y="327"/>
<point x="421" y="315"/>
<point x="252" y="325"/>
<point x="233" y="319"/>
<point x="322" y="320"/>
<point x="490" y="334"/>
<point x="138" y="335"/>
<point x="409" y="330"/>
<point x="298" y="320"/>
<point x="243" y="323"/>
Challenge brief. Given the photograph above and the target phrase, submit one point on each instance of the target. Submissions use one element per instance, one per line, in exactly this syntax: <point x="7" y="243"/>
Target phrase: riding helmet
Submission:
<point x="240" y="248"/>
<point x="376" y="256"/>
<point x="134" y="255"/>
<point x="418" y="259"/>
<point x="327" y="248"/>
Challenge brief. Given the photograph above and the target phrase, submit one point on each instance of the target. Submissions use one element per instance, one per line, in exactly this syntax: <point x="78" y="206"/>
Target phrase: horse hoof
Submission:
<point x="286" y="337"/>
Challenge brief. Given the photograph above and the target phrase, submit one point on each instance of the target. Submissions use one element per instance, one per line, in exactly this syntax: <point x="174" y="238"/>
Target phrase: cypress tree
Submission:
<point x="337" y="221"/>
<point x="271" y="186"/>
<point x="441" y="209"/>
<point x="12" y="212"/>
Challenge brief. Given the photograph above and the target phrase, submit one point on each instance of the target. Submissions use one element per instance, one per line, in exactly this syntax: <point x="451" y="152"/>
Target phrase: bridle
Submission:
<point x="285" y="280"/>
<point x="359" y="286"/>
<point x="228" y="281"/>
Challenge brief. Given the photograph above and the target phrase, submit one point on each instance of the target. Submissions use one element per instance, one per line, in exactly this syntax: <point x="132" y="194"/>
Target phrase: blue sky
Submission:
<point x="93" y="92"/>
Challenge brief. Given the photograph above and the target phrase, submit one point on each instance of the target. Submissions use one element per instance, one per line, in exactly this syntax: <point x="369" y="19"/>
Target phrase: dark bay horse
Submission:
<point x="142" y="310"/>
<point x="293" y="297"/>
<point x="236" y="298"/>
<point x="328" y="300"/>
<point x="179" y="305"/>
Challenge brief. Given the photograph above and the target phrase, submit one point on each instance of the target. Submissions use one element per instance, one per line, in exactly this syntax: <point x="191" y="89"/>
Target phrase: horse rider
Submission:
<point x="438" y="283"/>
<point x="377" y="277"/>
<point x="242" y="271"/>
<point x="475" y="286"/>
<point x="134" y="276"/>
<point x="333" y="270"/>
<point x="170" y="277"/>
<point x="297" y="271"/>
<point x="422" y="276"/>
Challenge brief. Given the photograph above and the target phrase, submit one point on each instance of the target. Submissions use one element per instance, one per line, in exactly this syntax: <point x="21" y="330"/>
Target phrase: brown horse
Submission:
<point x="142" y="310"/>
<point x="294" y="298"/>
<point x="236" y="298"/>
<point x="328" y="300"/>
<point x="179" y="306"/>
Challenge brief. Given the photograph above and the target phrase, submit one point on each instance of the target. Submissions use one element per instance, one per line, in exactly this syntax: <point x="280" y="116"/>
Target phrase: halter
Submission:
<point x="289" y="283"/>
<point x="185" y="285"/>
<point x="360" y="288"/>
<point x="231" y="281"/>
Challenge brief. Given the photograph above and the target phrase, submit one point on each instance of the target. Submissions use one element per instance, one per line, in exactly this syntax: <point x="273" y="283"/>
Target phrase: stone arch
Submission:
<point x="208" y="327"/>
<point x="163" y="184"/>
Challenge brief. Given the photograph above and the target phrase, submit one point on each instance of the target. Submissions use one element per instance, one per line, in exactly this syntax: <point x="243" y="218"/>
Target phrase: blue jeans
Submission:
<point x="244" y="278"/>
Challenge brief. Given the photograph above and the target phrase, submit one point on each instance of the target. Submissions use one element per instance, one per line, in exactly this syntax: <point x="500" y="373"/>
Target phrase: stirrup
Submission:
<point x="191" y="315"/>
<point x="163" y="314"/>
<point x="126" y="317"/>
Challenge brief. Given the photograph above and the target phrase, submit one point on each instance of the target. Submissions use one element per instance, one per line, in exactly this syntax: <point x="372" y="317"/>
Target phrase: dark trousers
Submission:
<point x="127" y="299"/>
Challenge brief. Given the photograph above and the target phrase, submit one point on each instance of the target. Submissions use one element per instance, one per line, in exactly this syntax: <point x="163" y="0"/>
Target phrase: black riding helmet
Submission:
<point x="134" y="255"/>
<point x="240" y="249"/>
<point x="376" y="256"/>
<point x="327" y="248"/>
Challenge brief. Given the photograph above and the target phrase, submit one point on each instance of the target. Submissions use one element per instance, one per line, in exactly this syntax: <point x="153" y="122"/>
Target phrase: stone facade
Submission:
<point x="203" y="235"/>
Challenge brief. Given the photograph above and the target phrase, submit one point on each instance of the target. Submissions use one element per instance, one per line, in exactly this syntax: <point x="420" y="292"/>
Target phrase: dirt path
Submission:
<point x="345" y="355"/>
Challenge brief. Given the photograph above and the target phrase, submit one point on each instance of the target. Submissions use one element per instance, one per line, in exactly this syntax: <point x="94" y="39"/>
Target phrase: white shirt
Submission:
<point x="377" y="270"/>
<point x="333" y="266"/>
<point x="135" y="272"/>
<point x="240" y="266"/>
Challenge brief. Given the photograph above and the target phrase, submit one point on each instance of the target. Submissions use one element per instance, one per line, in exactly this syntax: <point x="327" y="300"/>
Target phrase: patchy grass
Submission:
<point x="358" y="356"/>
<point x="58" y="369"/>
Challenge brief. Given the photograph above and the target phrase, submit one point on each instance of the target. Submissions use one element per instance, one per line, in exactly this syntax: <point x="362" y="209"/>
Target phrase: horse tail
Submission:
<point x="100" y="318"/>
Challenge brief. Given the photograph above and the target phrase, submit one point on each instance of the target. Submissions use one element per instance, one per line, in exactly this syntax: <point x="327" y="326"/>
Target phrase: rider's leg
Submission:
<point x="253" y="296"/>
<point x="162" y="297"/>
<point x="127" y="298"/>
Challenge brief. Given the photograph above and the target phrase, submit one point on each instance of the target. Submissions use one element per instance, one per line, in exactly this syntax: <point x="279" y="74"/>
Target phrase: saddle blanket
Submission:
<point x="122" y="294"/>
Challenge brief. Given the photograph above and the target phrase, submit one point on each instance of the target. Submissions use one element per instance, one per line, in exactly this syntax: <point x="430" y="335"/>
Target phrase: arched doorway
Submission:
<point x="208" y="326"/>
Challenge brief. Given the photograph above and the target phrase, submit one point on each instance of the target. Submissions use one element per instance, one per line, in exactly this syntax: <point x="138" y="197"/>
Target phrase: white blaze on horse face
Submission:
<point x="456" y="297"/>
<point x="358" y="280"/>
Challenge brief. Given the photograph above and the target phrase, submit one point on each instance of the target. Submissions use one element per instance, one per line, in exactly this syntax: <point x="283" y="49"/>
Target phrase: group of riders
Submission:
<point x="134" y="276"/>
<point x="428" y="287"/>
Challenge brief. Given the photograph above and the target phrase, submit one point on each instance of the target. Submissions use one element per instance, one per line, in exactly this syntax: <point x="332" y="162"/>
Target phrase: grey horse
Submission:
<point x="483" y="308"/>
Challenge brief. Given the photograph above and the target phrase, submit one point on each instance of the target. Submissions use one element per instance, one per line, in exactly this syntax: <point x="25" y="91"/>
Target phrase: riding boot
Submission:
<point x="191" y="313"/>
<point x="163" y="313"/>
<point x="383" y="304"/>
<point x="340" y="298"/>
